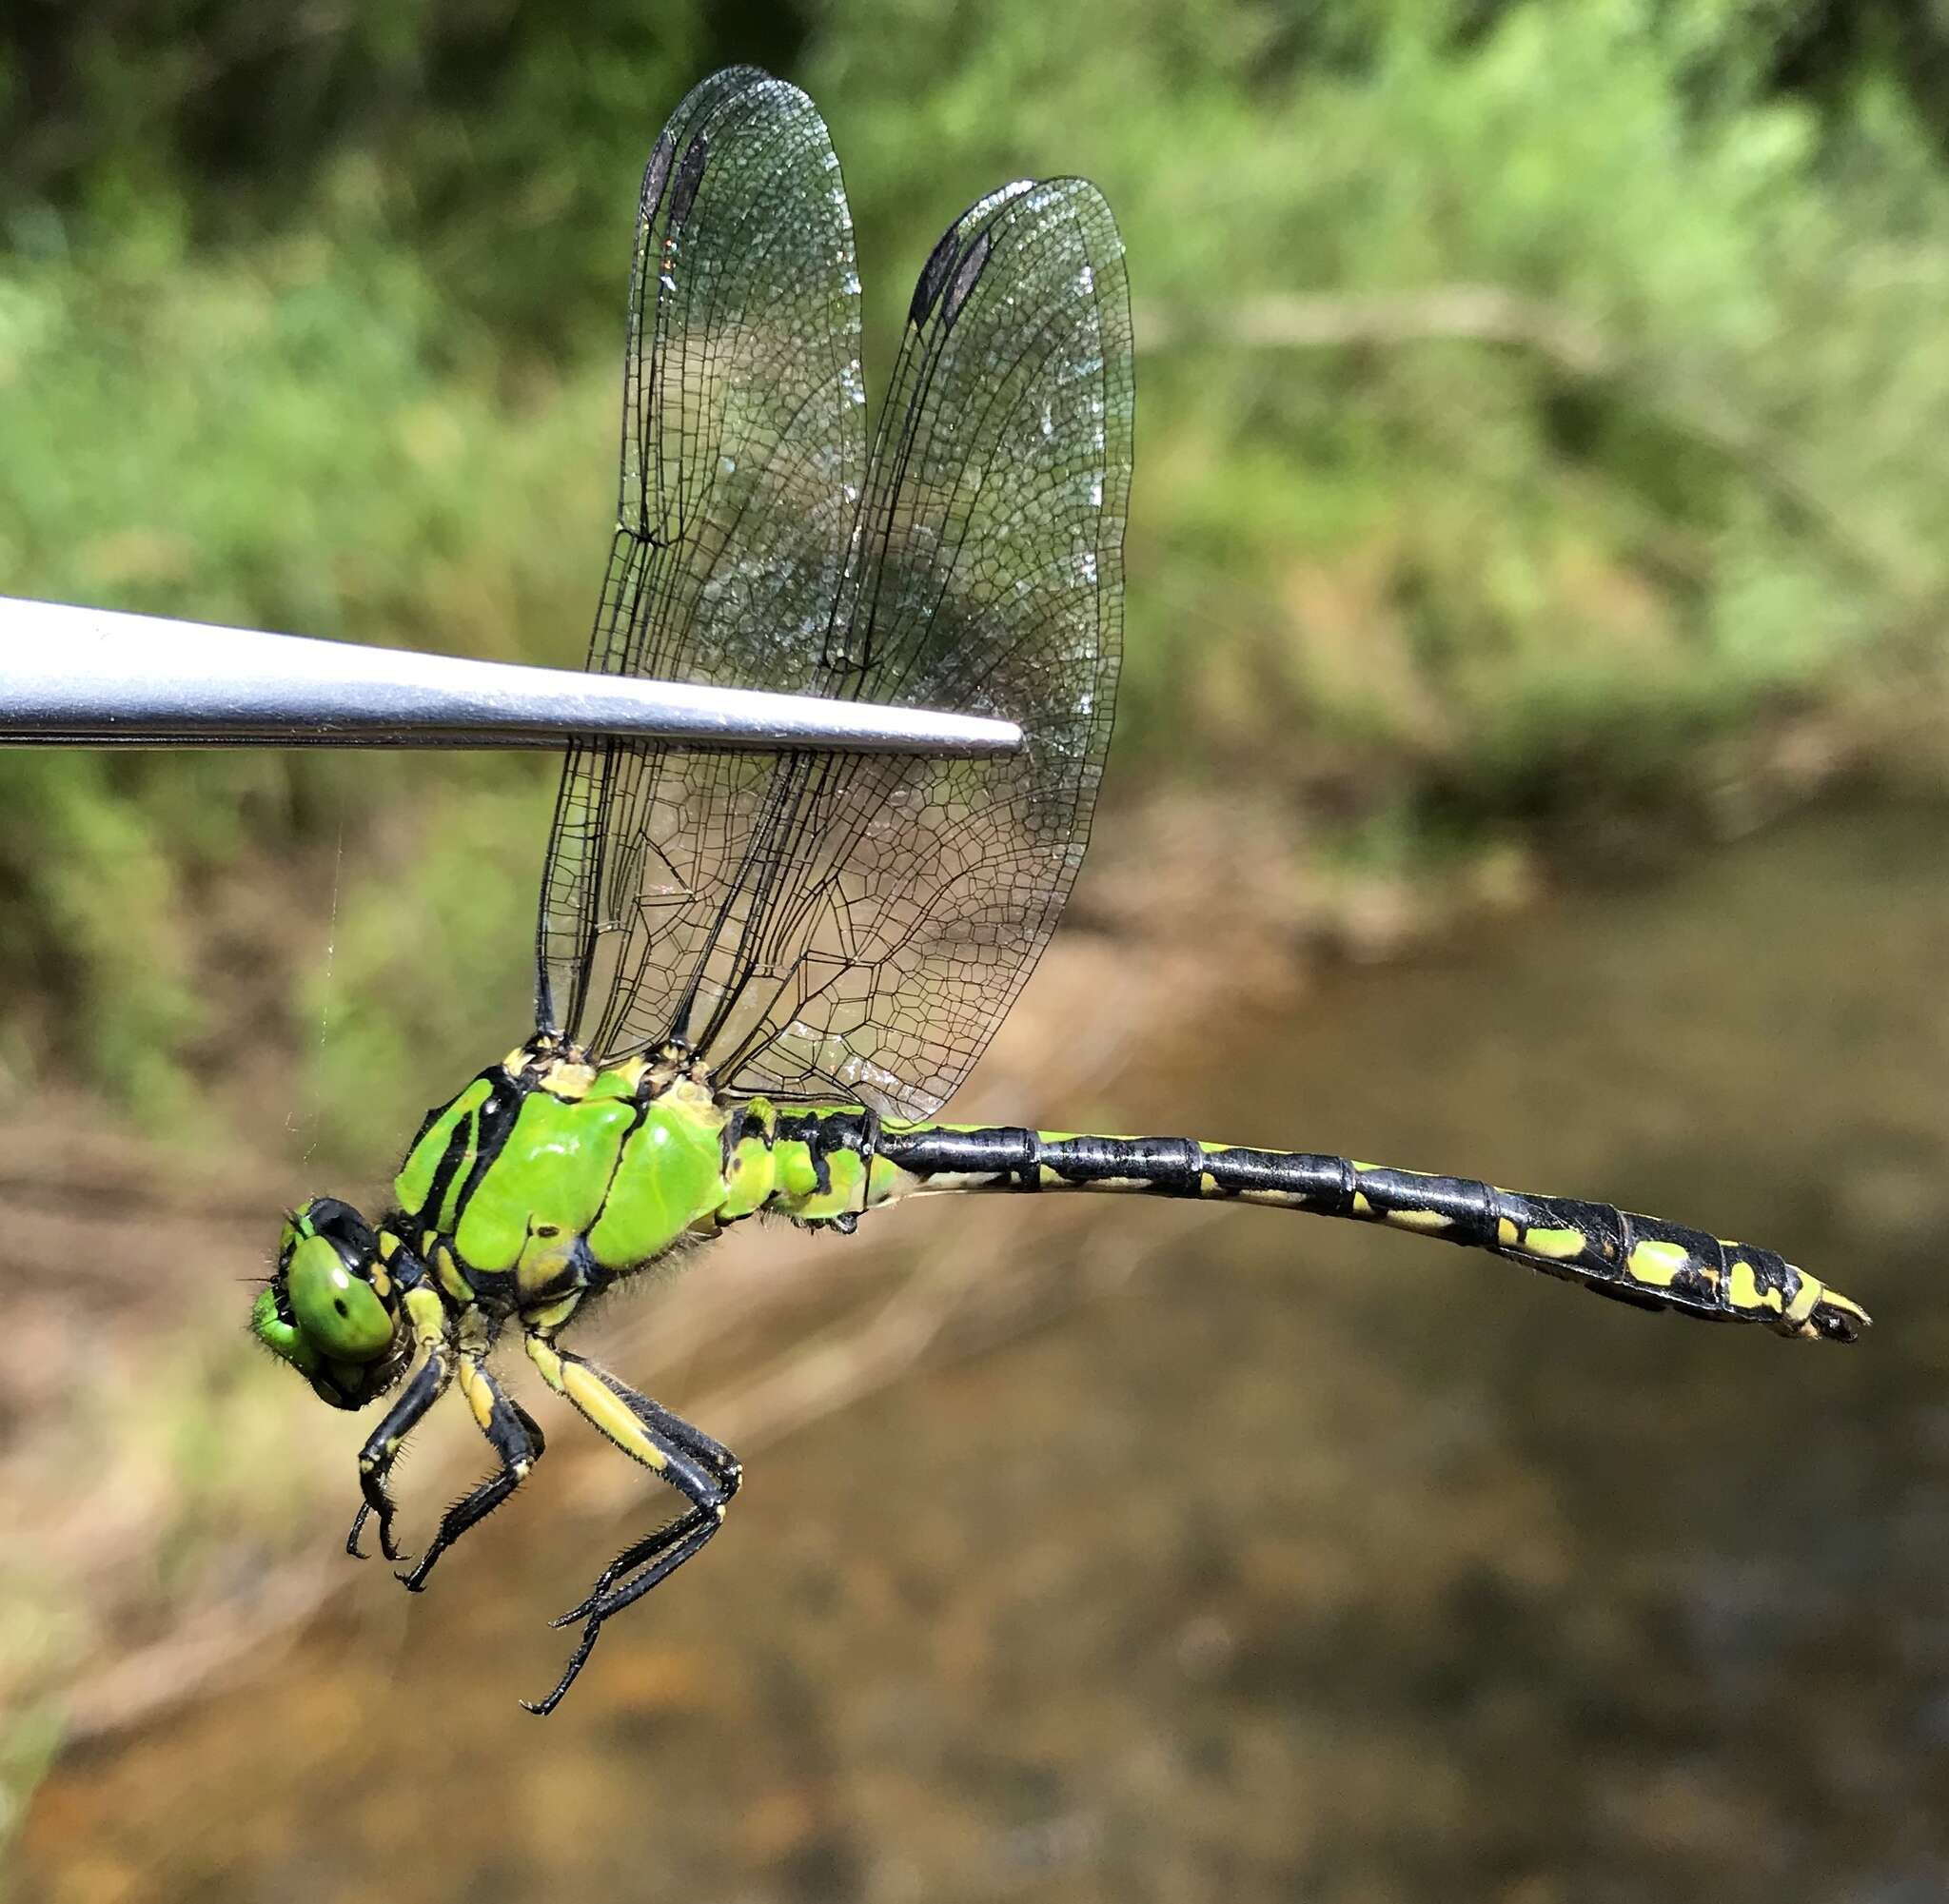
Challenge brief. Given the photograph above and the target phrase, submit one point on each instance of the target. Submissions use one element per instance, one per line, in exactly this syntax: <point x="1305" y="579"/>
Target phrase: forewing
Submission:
<point x="888" y="909"/>
<point x="743" y="458"/>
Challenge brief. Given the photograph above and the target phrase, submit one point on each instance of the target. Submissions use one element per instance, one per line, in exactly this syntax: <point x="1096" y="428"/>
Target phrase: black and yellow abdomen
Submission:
<point x="1637" y="1259"/>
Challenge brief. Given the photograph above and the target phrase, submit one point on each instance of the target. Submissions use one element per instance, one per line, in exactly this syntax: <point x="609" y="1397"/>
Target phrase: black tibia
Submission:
<point x="517" y="1438"/>
<point x="659" y="1556"/>
<point x="704" y="1472"/>
<point x="428" y="1383"/>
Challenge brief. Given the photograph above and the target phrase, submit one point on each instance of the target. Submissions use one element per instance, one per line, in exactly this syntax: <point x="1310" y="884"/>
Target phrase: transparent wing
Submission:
<point x="814" y="923"/>
<point x="743" y="457"/>
<point x="893" y="908"/>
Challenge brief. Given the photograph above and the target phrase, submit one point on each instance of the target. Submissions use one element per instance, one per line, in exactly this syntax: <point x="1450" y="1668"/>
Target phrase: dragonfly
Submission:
<point x="759" y="977"/>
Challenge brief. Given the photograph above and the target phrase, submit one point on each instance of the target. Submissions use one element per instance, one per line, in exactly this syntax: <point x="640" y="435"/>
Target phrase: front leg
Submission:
<point x="516" y="1437"/>
<point x="427" y="1385"/>
<point x="427" y="1317"/>
<point x="704" y="1472"/>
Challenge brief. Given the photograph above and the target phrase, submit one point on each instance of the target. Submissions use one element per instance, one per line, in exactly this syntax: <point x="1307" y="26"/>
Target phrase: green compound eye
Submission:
<point x="335" y="1313"/>
<point x="279" y="1336"/>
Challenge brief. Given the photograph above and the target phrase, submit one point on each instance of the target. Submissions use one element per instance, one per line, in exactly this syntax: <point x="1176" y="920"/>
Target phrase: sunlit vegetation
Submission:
<point x="1537" y="403"/>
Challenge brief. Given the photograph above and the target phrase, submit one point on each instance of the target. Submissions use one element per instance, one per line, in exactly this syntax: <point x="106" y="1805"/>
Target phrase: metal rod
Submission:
<point x="90" y="677"/>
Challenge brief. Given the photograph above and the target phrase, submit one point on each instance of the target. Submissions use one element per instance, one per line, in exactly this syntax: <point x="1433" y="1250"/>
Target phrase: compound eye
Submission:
<point x="338" y="1313"/>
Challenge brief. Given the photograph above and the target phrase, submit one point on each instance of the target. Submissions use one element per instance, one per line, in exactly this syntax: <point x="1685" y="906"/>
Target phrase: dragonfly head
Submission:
<point x="331" y="1309"/>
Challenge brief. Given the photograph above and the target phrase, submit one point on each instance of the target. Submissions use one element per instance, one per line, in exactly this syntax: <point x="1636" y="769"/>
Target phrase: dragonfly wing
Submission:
<point x="744" y="452"/>
<point x="888" y="909"/>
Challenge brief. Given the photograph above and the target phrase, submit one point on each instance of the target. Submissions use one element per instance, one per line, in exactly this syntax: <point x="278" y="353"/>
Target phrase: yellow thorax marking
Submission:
<point x="563" y="1069"/>
<point x="448" y="1271"/>
<point x="631" y="1070"/>
<point x="567" y="1078"/>
<point x="687" y="1088"/>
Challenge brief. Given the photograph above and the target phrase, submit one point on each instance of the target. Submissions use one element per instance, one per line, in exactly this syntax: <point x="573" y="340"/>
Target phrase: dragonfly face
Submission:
<point x="331" y="1309"/>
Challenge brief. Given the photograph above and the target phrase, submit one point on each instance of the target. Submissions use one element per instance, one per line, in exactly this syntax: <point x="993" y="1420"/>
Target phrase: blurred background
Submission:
<point x="1531" y="763"/>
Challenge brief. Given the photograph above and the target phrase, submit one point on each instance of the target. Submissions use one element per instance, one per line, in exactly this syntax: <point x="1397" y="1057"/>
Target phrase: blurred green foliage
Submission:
<point x="308" y="318"/>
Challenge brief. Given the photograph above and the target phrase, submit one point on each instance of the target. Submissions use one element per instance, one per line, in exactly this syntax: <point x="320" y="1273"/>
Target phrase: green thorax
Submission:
<point x="544" y="1153"/>
<point x="545" y="1162"/>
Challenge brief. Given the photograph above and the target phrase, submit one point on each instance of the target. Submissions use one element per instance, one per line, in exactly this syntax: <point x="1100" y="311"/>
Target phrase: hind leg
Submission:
<point x="515" y="1436"/>
<point x="703" y="1473"/>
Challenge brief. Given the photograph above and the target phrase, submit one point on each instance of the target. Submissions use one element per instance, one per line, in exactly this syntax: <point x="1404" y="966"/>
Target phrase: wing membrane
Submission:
<point x="743" y="451"/>
<point x="821" y="922"/>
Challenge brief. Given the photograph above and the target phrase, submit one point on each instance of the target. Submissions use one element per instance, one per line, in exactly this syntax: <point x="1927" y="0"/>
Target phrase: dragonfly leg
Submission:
<point x="517" y="1438"/>
<point x="427" y="1385"/>
<point x="704" y="1472"/>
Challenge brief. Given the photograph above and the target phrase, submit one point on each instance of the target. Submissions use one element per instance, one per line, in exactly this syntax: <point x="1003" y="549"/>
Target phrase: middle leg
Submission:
<point x="516" y="1437"/>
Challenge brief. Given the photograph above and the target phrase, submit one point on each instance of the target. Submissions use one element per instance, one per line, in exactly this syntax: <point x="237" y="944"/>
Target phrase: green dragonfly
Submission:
<point x="760" y="977"/>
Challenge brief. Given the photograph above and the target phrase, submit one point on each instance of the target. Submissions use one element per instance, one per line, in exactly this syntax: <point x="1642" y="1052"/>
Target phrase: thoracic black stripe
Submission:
<point x="636" y="1123"/>
<point x="492" y="1123"/>
<point x="433" y="1209"/>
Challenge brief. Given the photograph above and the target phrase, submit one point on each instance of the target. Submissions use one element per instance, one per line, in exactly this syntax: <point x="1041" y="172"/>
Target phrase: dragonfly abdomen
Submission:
<point x="1641" y="1260"/>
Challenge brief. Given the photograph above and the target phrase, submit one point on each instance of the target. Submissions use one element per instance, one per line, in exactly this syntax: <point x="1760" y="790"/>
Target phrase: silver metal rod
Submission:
<point x="87" y="677"/>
